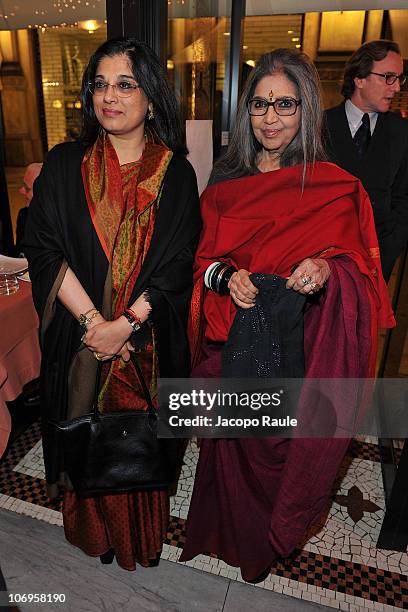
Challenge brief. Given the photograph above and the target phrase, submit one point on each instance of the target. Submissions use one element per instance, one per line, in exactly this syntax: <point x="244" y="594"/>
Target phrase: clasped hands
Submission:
<point x="308" y="278"/>
<point x="110" y="339"/>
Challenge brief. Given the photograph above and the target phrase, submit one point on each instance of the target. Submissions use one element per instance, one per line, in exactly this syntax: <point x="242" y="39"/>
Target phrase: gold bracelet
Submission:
<point x="85" y="319"/>
<point x="90" y="310"/>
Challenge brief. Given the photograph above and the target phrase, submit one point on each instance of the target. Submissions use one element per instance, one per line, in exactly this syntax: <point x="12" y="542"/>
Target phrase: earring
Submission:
<point x="150" y="114"/>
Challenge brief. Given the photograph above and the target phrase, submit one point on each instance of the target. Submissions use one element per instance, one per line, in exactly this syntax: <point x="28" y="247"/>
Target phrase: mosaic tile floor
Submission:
<point x="338" y="566"/>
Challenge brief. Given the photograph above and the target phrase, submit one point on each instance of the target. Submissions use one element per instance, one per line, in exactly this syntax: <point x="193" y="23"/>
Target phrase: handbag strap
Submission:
<point x="145" y="390"/>
<point x="142" y="382"/>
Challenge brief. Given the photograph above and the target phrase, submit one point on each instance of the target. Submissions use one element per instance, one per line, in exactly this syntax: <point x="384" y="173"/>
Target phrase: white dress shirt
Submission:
<point x="355" y="115"/>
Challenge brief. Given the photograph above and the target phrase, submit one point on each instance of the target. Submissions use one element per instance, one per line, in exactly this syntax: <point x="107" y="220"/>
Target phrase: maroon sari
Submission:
<point x="254" y="499"/>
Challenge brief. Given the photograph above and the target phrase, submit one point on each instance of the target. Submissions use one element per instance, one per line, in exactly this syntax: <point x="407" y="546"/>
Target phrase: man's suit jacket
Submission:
<point x="383" y="172"/>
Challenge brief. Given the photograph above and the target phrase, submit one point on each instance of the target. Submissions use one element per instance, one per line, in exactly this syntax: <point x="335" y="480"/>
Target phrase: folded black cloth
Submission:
<point x="266" y="341"/>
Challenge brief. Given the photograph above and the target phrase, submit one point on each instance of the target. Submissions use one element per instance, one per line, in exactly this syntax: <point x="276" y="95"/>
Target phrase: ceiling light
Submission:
<point x="91" y="25"/>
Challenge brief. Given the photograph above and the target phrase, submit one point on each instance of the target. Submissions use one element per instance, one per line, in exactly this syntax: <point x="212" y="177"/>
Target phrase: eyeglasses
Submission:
<point x="281" y="106"/>
<point x="123" y="89"/>
<point x="391" y="77"/>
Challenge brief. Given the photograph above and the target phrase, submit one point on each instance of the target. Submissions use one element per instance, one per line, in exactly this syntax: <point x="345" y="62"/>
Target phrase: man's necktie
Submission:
<point x="362" y="136"/>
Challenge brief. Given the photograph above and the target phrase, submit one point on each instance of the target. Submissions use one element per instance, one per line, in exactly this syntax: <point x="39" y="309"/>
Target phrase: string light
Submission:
<point x="90" y="25"/>
<point x="43" y="28"/>
<point x="60" y="5"/>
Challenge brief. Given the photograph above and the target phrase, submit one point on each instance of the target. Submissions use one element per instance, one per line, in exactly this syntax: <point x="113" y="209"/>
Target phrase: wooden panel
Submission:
<point x="399" y="29"/>
<point x="341" y="30"/>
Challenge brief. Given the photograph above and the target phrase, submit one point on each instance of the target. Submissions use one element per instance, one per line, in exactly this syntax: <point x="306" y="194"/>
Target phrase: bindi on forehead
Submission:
<point x="270" y="95"/>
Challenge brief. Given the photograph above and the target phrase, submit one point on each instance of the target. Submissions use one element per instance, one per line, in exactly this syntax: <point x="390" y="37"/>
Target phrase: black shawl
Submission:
<point x="60" y="232"/>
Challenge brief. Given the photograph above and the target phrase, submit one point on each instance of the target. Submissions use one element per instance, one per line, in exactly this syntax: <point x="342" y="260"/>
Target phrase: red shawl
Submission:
<point x="266" y="223"/>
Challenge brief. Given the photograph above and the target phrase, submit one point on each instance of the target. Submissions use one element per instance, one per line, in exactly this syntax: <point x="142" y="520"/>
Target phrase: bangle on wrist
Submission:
<point x="86" y="318"/>
<point x="133" y="320"/>
<point x="217" y="277"/>
<point x="223" y="288"/>
<point x="209" y="271"/>
<point x="212" y="275"/>
<point x="88" y="312"/>
<point x="134" y="315"/>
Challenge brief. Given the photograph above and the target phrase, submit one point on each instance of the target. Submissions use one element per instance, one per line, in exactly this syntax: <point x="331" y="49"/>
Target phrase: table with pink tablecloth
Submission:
<point x="19" y="351"/>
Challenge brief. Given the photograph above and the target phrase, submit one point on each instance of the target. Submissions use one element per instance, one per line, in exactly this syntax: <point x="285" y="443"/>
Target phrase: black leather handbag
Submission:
<point x="117" y="451"/>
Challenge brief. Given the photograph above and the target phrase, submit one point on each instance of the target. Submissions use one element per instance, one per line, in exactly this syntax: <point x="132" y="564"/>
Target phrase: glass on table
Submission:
<point x="8" y="283"/>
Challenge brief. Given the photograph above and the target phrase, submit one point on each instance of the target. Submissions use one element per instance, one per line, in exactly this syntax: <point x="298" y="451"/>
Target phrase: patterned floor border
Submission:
<point x="324" y="579"/>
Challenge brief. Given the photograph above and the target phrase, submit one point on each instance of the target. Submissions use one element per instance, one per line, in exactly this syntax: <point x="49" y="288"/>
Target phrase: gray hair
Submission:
<point x="306" y="147"/>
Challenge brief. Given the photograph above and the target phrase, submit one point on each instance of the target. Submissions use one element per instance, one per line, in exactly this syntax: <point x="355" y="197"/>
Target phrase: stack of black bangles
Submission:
<point x="218" y="277"/>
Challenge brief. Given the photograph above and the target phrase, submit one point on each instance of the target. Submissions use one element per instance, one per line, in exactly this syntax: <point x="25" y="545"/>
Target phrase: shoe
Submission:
<point x="31" y="393"/>
<point x="261" y="576"/>
<point x="31" y="400"/>
<point x="107" y="557"/>
<point x="154" y="562"/>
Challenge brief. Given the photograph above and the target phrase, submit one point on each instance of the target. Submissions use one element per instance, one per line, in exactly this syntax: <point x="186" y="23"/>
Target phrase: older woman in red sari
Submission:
<point x="274" y="206"/>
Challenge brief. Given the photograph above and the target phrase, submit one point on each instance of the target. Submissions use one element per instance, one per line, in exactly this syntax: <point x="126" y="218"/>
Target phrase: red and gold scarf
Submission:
<point x="123" y="203"/>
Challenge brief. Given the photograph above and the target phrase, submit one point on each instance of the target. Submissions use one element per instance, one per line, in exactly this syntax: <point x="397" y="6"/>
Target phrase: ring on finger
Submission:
<point x="306" y="280"/>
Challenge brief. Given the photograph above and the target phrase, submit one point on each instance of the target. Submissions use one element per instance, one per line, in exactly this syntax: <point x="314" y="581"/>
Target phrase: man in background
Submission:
<point x="31" y="173"/>
<point x="370" y="142"/>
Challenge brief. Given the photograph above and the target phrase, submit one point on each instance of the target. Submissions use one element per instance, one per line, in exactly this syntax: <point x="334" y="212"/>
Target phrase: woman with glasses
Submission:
<point x="112" y="229"/>
<point x="289" y="275"/>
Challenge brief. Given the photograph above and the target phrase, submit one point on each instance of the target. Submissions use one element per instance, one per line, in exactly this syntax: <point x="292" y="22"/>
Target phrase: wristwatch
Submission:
<point x="132" y="319"/>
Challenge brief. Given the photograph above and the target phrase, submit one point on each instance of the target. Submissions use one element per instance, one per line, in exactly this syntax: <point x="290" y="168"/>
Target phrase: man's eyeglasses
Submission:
<point x="391" y="77"/>
<point x="123" y="89"/>
<point x="282" y="106"/>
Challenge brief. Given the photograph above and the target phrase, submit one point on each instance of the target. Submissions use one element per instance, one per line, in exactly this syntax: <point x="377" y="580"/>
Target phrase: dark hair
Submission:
<point x="306" y="147"/>
<point x="165" y="127"/>
<point x="360" y="63"/>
